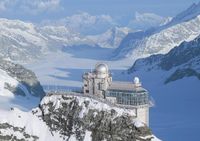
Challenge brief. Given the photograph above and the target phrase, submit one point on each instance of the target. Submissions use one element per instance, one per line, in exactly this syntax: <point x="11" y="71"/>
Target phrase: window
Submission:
<point x="99" y="86"/>
<point x="86" y="91"/>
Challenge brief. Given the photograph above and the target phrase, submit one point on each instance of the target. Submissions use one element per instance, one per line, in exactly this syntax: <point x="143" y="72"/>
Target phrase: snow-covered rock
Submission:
<point x="73" y="117"/>
<point x="18" y="125"/>
<point x="174" y="83"/>
<point x="111" y="38"/>
<point x="23" y="42"/>
<point x="20" y="40"/>
<point x="19" y="87"/>
<point x="143" y="21"/>
<point x="19" y="81"/>
<point x="187" y="14"/>
<point x="84" y="114"/>
<point x="183" y="27"/>
<point x="173" y="80"/>
<point x="87" y="24"/>
<point x="182" y="61"/>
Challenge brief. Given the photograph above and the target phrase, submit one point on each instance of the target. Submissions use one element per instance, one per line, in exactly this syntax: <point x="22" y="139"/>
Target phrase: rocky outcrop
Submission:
<point x="74" y="116"/>
<point x="14" y="133"/>
<point x="24" y="76"/>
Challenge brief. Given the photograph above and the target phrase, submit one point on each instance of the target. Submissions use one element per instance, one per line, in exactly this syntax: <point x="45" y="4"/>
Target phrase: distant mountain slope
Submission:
<point x="183" y="27"/>
<point x="23" y="42"/>
<point x="20" y="40"/>
<point x="173" y="80"/>
<point x="111" y="38"/>
<point x="187" y="14"/>
<point x="182" y="61"/>
<point x="144" y="21"/>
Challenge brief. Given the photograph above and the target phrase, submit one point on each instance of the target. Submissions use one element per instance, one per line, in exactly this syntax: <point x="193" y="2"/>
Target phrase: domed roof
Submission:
<point x="101" y="68"/>
<point x="136" y="80"/>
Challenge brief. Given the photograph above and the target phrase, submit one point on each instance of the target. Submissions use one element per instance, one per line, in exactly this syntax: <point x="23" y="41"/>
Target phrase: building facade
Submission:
<point x="131" y="94"/>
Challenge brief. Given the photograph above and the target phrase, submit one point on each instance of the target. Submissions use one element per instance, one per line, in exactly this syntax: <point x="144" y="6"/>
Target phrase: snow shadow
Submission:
<point x="22" y="96"/>
<point x="72" y="74"/>
<point x="89" y="52"/>
<point x="76" y="74"/>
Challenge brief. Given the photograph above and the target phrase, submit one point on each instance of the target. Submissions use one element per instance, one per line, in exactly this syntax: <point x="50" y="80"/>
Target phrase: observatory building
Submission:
<point x="128" y="94"/>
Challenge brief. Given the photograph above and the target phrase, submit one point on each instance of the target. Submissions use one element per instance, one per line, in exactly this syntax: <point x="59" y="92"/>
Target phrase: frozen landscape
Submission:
<point x="164" y="52"/>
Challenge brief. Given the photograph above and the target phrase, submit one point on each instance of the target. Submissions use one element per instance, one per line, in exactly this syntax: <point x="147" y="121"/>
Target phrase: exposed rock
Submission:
<point x="74" y="116"/>
<point x="160" y="40"/>
<point x="26" y="77"/>
<point x="182" y="61"/>
<point x="181" y="73"/>
<point x="11" y="133"/>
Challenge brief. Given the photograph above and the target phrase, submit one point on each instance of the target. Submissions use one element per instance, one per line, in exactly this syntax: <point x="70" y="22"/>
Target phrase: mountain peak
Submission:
<point x="190" y="13"/>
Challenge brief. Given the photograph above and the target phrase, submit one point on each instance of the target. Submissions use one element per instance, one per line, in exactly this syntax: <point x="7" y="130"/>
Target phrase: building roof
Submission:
<point x="125" y="86"/>
<point x="101" y="68"/>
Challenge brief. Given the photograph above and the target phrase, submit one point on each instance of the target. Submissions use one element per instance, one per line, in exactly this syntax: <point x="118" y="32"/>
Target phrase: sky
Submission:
<point x="39" y="10"/>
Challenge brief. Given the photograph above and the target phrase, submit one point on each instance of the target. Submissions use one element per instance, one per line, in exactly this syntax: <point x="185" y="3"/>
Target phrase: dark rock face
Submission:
<point x="149" y="62"/>
<point x="24" y="76"/>
<point x="14" y="90"/>
<point x="179" y="74"/>
<point x="131" y="41"/>
<point x="74" y="116"/>
<point x="180" y="55"/>
<point x="11" y="137"/>
<point x="184" y="59"/>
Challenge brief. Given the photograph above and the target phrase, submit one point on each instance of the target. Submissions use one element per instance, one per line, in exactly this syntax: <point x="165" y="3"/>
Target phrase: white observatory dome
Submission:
<point x="136" y="80"/>
<point x="101" y="68"/>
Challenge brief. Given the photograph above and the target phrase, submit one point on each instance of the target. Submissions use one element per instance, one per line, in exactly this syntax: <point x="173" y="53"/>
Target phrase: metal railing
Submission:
<point x="71" y="93"/>
<point x="77" y="91"/>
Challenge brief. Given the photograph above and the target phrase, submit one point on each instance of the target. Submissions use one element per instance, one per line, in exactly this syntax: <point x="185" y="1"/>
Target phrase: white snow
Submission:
<point x="5" y="78"/>
<point x="93" y="104"/>
<point x="160" y="40"/>
<point x="88" y="136"/>
<point x="111" y="38"/>
<point x="23" y="42"/>
<point x="138" y="124"/>
<point x="64" y="69"/>
<point x="33" y="125"/>
<point x="8" y="99"/>
<point x="143" y="21"/>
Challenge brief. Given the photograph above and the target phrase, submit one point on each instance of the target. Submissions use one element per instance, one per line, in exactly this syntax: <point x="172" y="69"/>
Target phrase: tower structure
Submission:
<point x="97" y="81"/>
<point x="128" y="94"/>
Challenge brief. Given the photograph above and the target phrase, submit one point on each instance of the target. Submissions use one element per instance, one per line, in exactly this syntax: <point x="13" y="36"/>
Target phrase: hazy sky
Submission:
<point x="38" y="10"/>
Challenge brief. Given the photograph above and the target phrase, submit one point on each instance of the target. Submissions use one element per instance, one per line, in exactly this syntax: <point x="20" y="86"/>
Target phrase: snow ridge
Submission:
<point x="184" y="27"/>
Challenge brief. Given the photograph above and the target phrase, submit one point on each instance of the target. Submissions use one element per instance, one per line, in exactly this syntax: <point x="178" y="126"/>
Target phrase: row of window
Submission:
<point x="129" y="98"/>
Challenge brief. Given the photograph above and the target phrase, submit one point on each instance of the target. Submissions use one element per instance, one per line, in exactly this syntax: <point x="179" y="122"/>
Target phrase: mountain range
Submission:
<point x="183" y="27"/>
<point x="27" y="41"/>
<point x="182" y="61"/>
<point x="173" y="81"/>
<point x="24" y="42"/>
<point x="166" y="58"/>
